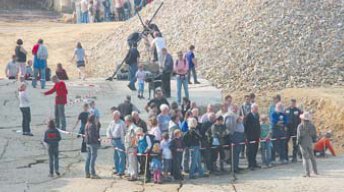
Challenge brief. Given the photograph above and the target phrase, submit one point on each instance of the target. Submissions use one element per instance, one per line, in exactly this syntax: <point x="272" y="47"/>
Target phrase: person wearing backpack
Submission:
<point x="40" y="63"/>
<point x="132" y="59"/>
<point x="167" y="72"/>
<point x="181" y="69"/>
<point x="21" y="55"/>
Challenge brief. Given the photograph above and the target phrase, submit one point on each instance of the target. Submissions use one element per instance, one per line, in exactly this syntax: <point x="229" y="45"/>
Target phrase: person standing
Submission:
<point x="293" y="114"/>
<point x="39" y="67"/>
<point x="126" y="108"/>
<point x="116" y="132"/>
<point x="21" y="55"/>
<point x="167" y="72"/>
<point x="61" y="72"/>
<point x="60" y="101"/>
<point x="81" y="60"/>
<point x="177" y="148"/>
<point x="91" y="11"/>
<point x="192" y="62"/>
<point x="144" y="146"/>
<point x="140" y="76"/>
<point x="107" y="10"/>
<point x="97" y="11"/>
<point x="158" y="100"/>
<point x="52" y="137"/>
<point x="158" y="43"/>
<point x="306" y="136"/>
<point x="84" y="11"/>
<point x="82" y="118"/>
<point x="164" y="118"/>
<point x="119" y="9"/>
<point x="12" y="69"/>
<point x="92" y="140"/>
<point x="279" y="132"/>
<point x="181" y="69"/>
<point x="139" y="122"/>
<point x="265" y="145"/>
<point x="132" y="59"/>
<point x="252" y="132"/>
<point x="78" y="12"/>
<point x="24" y="105"/>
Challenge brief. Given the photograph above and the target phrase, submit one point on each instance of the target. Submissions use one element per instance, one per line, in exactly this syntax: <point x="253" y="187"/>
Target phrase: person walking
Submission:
<point x="52" y="137"/>
<point x="21" y="55"/>
<point x="24" y="104"/>
<point x="293" y="114"/>
<point x="81" y="60"/>
<point x="192" y="62"/>
<point x="60" y="101"/>
<point x="132" y="59"/>
<point x="40" y="63"/>
<point x="181" y="69"/>
<point x="167" y="70"/>
<point x="92" y="140"/>
<point x="252" y="132"/>
<point x="12" y="69"/>
<point x="306" y="136"/>
<point x="82" y="118"/>
<point x="116" y="132"/>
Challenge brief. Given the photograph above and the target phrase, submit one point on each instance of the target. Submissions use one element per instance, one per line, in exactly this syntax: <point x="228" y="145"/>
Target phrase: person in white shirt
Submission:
<point x="159" y="43"/>
<point x="155" y="130"/>
<point x="140" y="76"/>
<point x="24" y="105"/>
<point x="131" y="147"/>
<point x="12" y="69"/>
<point x="116" y="132"/>
<point x="166" y="154"/>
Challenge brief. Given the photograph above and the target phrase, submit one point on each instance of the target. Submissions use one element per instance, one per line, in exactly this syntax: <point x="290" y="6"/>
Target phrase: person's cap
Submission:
<point x="306" y="116"/>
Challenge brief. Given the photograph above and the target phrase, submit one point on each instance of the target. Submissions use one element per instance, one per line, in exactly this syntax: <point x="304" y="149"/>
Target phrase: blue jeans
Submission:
<point x="60" y="117"/>
<point x="53" y="151"/>
<point x="132" y="73"/>
<point x="141" y="87"/>
<point x="84" y="17"/>
<point x="280" y="145"/>
<point x="265" y="149"/>
<point x="196" y="165"/>
<point x="237" y="138"/>
<point x="182" y="81"/>
<point x="92" y="151"/>
<point x="118" y="156"/>
<point x="186" y="160"/>
<point x="41" y="71"/>
<point x="107" y="13"/>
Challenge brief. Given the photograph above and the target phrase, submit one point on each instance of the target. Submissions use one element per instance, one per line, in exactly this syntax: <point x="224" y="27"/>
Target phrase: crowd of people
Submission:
<point x="177" y="140"/>
<point x="94" y="11"/>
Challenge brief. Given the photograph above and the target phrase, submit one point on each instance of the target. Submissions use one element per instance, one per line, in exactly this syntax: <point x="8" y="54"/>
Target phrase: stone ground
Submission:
<point x="24" y="161"/>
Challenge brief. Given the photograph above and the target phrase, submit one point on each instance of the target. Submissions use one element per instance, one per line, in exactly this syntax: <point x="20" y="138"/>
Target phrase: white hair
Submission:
<point x="192" y="123"/>
<point x="163" y="107"/>
<point x="134" y="113"/>
<point x="116" y="113"/>
<point x="254" y="105"/>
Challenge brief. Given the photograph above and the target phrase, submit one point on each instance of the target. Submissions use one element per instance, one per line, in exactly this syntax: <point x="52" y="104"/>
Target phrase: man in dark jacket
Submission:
<point x="126" y="108"/>
<point x="167" y="73"/>
<point x="52" y="137"/>
<point x="139" y="122"/>
<point x="252" y="132"/>
<point x="132" y="59"/>
<point x="293" y="113"/>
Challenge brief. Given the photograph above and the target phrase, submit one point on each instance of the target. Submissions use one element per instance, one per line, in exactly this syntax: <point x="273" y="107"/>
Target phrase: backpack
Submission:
<point x="152" y="138"/>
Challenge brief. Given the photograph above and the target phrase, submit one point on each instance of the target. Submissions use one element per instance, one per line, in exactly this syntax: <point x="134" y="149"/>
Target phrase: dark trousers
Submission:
<point x="252" y="149"/>
<point x="26" y="119"/>
<point x="53" y="151"/>
<point x="207" y="159"/>
<point x="217" y="151"/>
<point x="166" y="83"/>
<point x="176" y="165"/>
<point x="295" y="148"/>
<point x="194" y="74"/>
<point x="60" y="117"/>
<point x="142" y="161"/>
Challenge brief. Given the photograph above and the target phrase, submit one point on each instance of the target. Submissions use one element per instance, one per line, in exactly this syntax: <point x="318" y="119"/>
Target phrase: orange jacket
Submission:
<point x="323" y="144"/>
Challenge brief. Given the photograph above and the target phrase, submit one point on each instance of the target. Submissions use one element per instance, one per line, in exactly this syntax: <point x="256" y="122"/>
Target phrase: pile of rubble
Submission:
<point x="250" y="45"/>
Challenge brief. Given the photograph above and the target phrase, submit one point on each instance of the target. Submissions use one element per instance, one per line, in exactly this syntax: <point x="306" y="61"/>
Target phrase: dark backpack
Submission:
<point x="152" y="138"/>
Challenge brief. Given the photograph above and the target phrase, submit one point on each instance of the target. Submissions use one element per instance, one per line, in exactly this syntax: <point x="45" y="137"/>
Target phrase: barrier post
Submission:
<point x="232" y="162"/>
<point x="146" y="165"/>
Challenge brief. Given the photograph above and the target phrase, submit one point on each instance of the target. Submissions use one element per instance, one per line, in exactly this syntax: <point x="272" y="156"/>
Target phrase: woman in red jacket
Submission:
<point x="60" y="101"/>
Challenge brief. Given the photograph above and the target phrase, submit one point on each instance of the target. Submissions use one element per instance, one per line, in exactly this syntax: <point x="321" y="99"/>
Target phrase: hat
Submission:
<point x="306" y="116"/>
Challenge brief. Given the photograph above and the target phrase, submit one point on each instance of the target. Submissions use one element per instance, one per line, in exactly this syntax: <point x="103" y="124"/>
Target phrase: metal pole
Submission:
<point x="232" y="162"/>
<point x="146" y="165"/>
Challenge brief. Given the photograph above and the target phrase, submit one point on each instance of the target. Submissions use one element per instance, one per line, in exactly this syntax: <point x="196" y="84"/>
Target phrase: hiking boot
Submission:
<point x="57" y="173"/>
<point x="88" y="176"/>
<point x="197" y="82"/>
<point x="29" y="134"/>
<point x="190" y="82"/>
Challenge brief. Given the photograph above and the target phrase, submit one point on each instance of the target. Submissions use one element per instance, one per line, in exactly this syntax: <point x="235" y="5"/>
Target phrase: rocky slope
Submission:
<point x="246" y="45"/>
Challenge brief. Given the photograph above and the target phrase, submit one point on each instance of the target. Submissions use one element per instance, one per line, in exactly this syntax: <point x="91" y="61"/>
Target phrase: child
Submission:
<point x="323" y="144"/>
<point x="140" y="75"/>
<point x="156" y="163"/>
<point x="166" y="154"/>
<point x="83" y="116"/>
<point x="265" y="147"/>
<point x="29" y="71"/>
<point x="143" y="148"/>
<point x="61" y="73"/>
<point x="177" y="148"/>
<point x="216" y="136"/>
<point x="24" y="105"/>
<point x="52" y="137"/>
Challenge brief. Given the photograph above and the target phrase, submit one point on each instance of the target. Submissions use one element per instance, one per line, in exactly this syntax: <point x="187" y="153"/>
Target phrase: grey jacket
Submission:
<point x="306" y="133"/>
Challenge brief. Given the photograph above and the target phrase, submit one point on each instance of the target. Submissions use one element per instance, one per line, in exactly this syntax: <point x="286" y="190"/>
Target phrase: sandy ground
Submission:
<point x="24" y="161"/>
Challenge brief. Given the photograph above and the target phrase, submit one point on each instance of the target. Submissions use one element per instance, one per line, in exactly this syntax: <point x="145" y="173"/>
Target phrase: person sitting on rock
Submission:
<point x="61" y="73"/>
<point x="12" y="69"/>
<point x="29" y="71"/>
<point x="323" y="144"/>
